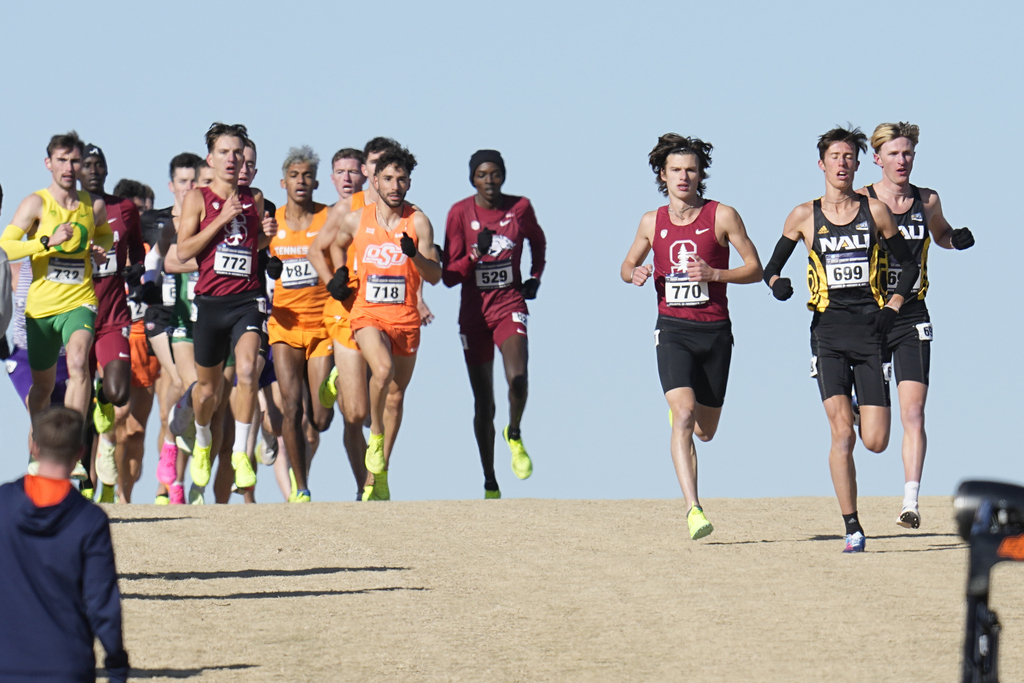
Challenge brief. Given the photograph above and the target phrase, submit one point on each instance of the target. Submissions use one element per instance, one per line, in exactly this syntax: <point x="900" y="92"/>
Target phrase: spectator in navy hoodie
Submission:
<point x="58" y="584"/>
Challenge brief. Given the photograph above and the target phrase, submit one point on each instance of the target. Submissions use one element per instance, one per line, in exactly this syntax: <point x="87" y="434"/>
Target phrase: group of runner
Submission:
<point x="867" y="274"/>
<point x="247" y="322"/>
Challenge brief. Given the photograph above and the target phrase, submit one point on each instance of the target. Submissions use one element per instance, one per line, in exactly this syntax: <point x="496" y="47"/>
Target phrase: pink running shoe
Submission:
<point x="177" y="494"/>
<point x="167" y="469"/>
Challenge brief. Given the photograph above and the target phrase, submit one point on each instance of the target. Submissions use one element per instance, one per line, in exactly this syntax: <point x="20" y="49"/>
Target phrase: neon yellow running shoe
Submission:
<point x="102" y="413"/>
<point x="698" y="523"/>
<point x="295" y="487"/>
<point x="492" y="495"/>
<point x="380" y="490"/>
<point x="522" y="466"/>
<point x="201" y="467"/>
<point x="88" y="494"/>
<point x="162" y="499"/>
<point x="107" y="494"/>
<point x="368" y="493"/>
<point x="328" y="392"/>
<point x="374" y="459"/>
<point x="302" y="497"/>
<point x="244" y="475"/>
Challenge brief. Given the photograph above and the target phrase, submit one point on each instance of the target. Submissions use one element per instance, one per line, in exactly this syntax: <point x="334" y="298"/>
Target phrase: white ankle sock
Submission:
<point x="910" y="490"/>
<point x="241" y="437"/>
<point x="204" y="437"/>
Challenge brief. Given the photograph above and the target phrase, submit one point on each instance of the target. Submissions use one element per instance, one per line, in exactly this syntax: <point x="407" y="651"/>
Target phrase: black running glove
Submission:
<point x="884" y="320"/>
<point x="338" y="286"/>
<point x="146" y="293"/>
<point x="782" y="289"/>
<point x="274" y="268"/>
<point x="408" y="246"/>
<point x="483" y="242"/>
<point x="962" y="239"/>
<point x="529" y="288"/>
<point x="133" y="274"/>
<point x="5" y="350"/>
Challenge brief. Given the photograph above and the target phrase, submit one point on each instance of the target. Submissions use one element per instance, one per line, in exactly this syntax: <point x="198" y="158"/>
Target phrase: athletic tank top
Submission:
<point x="915" y="232"/>
<point x="228" y="264"/>
<point x="674" y="246"/>
<point x="299" y="296"/>
<point x="62" y="276"/>
<point x="388" y="280"/>
<point x="358" y="200"/>
<point x="843" y="265"/>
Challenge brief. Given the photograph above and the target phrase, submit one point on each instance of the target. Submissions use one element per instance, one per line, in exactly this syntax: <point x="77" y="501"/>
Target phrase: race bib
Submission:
<point x="846" y="270"/>
<point x="892" y="278"/>
<point x="190" y="287"/>
<point x="297" y="273"/>
<point x="65" y="271"/>
<point x="680" y="291"/>
<point x="169" y="289"/>
<point x="924" y="331"/>
<point x="493" y="275"/>
<point x="385" y="289"/>
<point x="136" y="309"/>
<point x="193" y="313"/>
<point x="109" y="267"/>
<point x="232" y="261"/>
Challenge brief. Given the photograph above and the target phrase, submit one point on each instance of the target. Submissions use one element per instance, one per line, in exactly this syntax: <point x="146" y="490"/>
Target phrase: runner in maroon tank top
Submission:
<point x="111" y="350"/>
<point x="483" y="248"/>
<point x="221" y="227"/>
<point x="693" y="337"/>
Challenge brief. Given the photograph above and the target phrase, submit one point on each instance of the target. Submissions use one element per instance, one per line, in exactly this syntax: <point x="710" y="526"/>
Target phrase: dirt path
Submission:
<point x="540" y="590"/>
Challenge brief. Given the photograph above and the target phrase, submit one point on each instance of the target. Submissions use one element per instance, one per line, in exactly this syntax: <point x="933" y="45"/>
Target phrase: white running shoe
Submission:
<point x="106" y="466"/>
<point x="910" y="517"/>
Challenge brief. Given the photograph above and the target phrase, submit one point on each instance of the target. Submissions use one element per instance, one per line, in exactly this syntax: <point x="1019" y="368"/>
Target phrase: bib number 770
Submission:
<point x="681" y="291"/>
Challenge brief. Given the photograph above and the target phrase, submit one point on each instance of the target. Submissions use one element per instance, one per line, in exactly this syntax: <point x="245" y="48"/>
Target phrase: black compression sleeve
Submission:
<point x="900" y="251"/>
<point x="783" y="250"/>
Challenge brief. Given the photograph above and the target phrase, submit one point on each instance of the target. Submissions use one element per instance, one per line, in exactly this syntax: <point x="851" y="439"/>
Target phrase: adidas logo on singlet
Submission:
<point x="823" y="230"/>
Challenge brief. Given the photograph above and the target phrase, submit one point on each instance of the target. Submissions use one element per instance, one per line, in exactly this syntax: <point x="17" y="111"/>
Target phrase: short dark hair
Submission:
<point x="250" y="144"/>
<point x="132" y="189"/>
<point x="348" y="153"/>
<point x="69" y="140"/>
<point x="397" y="156"/>
<point x="184" y="160"/>
<point x="673" y="143"/>
<point x="218" y="130"/>
<point x="854" y="137"/>
<point x="378" y="144"/>
<point x="58" y="433"/>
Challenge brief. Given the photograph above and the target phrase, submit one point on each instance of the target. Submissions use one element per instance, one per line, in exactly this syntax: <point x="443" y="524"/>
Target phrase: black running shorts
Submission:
<point x="222" y="320"/>
<point x="844" y="356"/>
<point x="695" y="355"/>
<point x="910" y="344"/>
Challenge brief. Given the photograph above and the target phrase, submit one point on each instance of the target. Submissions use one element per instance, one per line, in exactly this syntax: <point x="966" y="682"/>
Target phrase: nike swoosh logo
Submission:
<point x="701" y="232"/>
<point x="504" y="223"/>
<point x="123" y="355"/>
<point x="111" y="219"/>
<point x="312" y="234"/>
<point x="246" y="206"/>
<point x="250" y="327"/>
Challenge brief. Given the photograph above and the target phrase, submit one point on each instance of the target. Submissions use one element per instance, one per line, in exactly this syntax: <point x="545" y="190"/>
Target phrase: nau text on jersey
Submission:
<point x="843" y="242"/>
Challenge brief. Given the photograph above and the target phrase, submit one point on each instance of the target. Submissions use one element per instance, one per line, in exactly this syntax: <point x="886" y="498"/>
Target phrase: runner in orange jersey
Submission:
<point x="301" y="345"/>
<point x="393" y="249"/>
<point x="347" y="382"/>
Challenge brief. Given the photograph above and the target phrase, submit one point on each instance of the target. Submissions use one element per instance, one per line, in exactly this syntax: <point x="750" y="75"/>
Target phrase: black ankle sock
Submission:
<point x="491" y="485"/>
<point x="513" y="434"/>
<point x="852" y="525"/>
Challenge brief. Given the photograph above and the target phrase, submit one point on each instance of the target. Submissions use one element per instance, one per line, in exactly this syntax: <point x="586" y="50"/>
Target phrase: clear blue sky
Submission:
<point x="575" y="95"/>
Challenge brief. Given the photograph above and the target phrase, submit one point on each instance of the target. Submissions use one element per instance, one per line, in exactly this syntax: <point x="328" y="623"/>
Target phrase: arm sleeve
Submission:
<point x="15" y="248"/>
<point x="900" y="251"/>
<point x="538" y="242"/>
<point x="456" y="264"/>
<point x="103" y="599"/>
<point x="136" y="250"/>
<point x="783" y="250"/>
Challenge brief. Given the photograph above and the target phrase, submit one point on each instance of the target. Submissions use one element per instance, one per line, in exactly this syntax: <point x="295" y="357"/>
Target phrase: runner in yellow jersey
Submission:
<point x="60" y="223"/>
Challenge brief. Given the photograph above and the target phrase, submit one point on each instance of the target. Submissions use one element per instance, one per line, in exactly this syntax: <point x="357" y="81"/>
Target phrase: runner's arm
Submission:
<point x="457" y="262"/>
<point x="190" y="239"/>
<point x="538" y="242"/>
<point x="25" y="220"/>
<point x="103" y="236"/>
<point x="900" y="251"/>
<point x="792" y="234"/>
<point x="728" y="224"/>
<point x="638" y="251"/>
<point x="174" y="265"/>
<point x="424" y="258"/>
<point x="322" y="244"/>
<point x="943" y="233"/>
<point x="267" y="221"/>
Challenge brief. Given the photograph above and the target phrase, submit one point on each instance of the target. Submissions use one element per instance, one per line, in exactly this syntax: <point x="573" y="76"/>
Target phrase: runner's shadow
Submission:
<point x="176" y="673"/>
<point x="275" y="594"/>
<point x="837" y="537"/>
<point x="255" y="573"/>
<point x="143" y="520"/>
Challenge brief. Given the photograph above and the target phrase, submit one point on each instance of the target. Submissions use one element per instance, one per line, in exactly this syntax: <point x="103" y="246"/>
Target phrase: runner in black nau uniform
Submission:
<point x="222" y="229"/>
<point x="483" y="247"/>
<point x="693" y="338"/>
<point x="841" y="231"/>
<point x="918" y="214"/>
